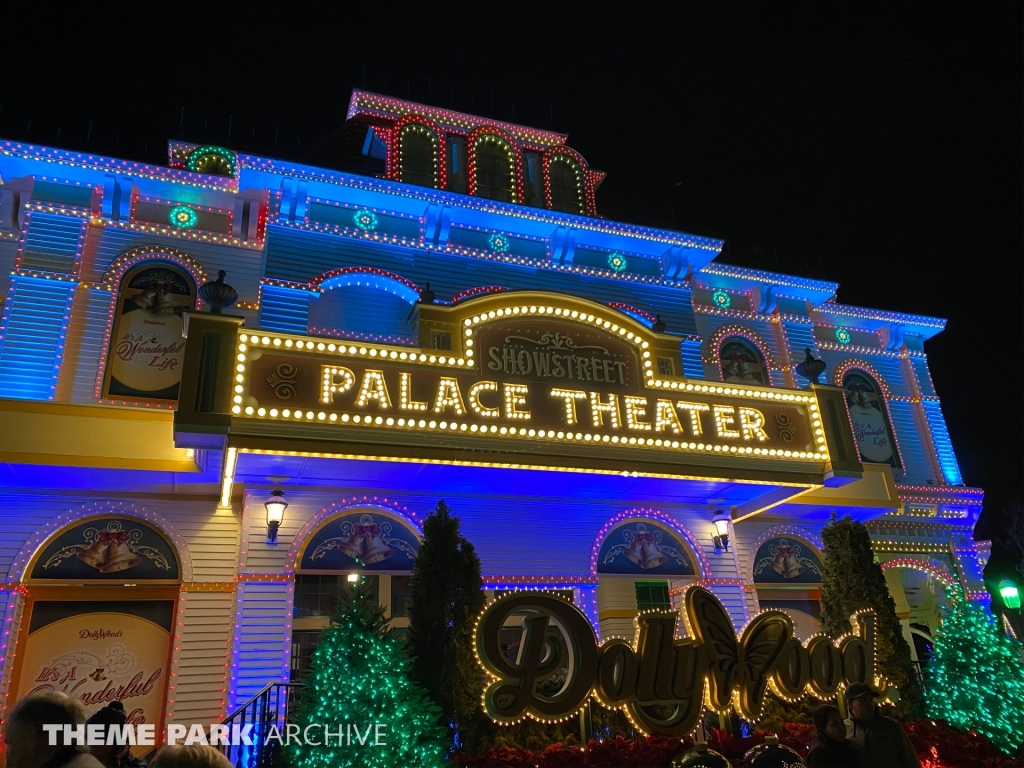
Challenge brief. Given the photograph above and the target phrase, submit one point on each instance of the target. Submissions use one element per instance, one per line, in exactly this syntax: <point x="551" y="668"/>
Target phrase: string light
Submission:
<point x="365" y="219"/>
<point x="213" y="160"/>
<point x="498" y="243"/>
<point x="721" y="299"/>
<point x="976" y="682"/>
<point x="842" y="336"/>
<point x="183" y="217"/>
<point x="617" y="262"/>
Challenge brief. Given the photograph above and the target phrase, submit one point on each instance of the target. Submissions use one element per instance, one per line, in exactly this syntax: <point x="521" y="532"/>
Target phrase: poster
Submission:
<point x="99" y="652"/>
<point x="146" y="346"/>
<point x="869" y="419"/>
<point x="741" y="364"/>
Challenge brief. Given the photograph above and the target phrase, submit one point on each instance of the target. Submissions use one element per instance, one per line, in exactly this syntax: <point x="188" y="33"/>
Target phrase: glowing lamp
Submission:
<point x="353" y="578"/>
<point x="1010" y="594"/>
<point x="721" y="536"/>
<point x="276" y="505"/>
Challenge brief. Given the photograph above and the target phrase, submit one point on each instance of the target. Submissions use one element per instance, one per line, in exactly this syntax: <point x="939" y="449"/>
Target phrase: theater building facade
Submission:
<point x="612" y="412"/>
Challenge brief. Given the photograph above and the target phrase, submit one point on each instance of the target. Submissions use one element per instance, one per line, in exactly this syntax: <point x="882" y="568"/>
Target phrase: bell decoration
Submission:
<point x="121" y="558"/>
<point x="771" y="754"/>
<point x="95" y="555"/>
<point x="353" y="547"/>
<point x="376" y="550"/>
<point x="633" y="552"/>
<point x="811" y="368"/>
<point x="701" y="757"/>
<point x="218" y="294"/>
<point x="785" y="562"/>
<point x="110" y="552"/>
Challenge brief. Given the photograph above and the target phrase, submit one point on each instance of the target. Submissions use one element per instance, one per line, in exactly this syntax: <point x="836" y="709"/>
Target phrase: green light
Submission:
<point x="359" y="676"/>
<point x="721" y="299"/>
<point x="617" y="261"/>
<point x="365" y="220"/>
<point x="209" y="159"/>
<point x="1008" y="591"/>
<point x="842" y="336"/>
<point x="182" y="217"/>
<point x="976" y="679"/>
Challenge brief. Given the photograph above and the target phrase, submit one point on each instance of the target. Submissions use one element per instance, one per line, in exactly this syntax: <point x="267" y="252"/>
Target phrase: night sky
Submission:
<point x="879" y="146"/>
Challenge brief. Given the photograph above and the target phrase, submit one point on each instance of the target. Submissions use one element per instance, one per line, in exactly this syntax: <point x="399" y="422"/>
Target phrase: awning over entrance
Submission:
<point x="541" y="383"/>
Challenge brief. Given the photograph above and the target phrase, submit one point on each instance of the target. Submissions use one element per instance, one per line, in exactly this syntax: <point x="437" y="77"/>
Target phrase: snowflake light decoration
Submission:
<point x="183" y="217"/>
<point x="617" y="261"/>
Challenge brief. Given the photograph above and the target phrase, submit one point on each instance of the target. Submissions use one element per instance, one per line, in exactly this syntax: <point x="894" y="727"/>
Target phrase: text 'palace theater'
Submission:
<point x="613" y="414"/>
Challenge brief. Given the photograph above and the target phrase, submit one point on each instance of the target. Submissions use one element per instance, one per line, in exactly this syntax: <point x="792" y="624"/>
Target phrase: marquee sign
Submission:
<point x="662" y="682"/>
<point x="516" y="377"/>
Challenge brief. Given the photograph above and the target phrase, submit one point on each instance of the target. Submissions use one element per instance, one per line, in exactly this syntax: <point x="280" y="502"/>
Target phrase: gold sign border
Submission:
<point x="466" y="319"/>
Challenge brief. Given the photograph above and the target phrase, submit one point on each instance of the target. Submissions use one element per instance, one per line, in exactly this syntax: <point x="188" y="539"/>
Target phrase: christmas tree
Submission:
<point x="976" y="679"/>
<point x="852" y="581"/>
<point x="445" y="597"/>
<point x="360" y="677"/>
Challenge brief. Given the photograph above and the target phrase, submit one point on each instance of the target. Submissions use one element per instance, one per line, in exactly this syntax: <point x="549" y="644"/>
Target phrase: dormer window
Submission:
<point x="419" y="156"/>
<point x="493" y="164"/>
<point x="565" y="184"/>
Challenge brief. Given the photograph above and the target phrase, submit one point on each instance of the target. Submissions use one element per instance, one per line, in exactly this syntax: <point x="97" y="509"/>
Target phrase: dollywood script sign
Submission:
<point x="662" y="682"/>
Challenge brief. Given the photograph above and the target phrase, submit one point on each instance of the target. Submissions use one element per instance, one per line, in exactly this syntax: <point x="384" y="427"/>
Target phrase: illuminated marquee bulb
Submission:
<point x="636" y="407"/>
<point x="598" y="409"/>
<point x="694" y="409"/>
<point x="724" y="419"/>
<point x="474" y="399"/>
<point x="448" y="395"/>
<point x="752" y="424"/>
<point x="570" y="396"/>
<point x="405" y="401"/>
<point x="373" y="388"/>
<point x="336" y="380"/>
<point x="515" y="395"/>
<point x="665" y="417"/>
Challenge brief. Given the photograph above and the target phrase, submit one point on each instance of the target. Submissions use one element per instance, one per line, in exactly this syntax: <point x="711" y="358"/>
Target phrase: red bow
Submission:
<point x="359" y="530"/>
<point x="113" y="536"/>
<point x="641" y="538"/>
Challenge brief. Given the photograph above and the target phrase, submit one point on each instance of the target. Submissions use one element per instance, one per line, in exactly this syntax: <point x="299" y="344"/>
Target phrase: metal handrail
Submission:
<point x="269" y="706"/>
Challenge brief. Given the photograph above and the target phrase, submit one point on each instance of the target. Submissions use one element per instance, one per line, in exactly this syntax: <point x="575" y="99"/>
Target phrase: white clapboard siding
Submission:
<point x="302" y="255"/>
<point x="262" y="639"/>
<point x="917" y="469"/>
<point x="202" y="669"/>
<point x="84" y="346"/>
<point x="205" y="634"/>
<point x="243" y="265"/>
<point x="511" y="535"/>
<point x="616" y="594"/>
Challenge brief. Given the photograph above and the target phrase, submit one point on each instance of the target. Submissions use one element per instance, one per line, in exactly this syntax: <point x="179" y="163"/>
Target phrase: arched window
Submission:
<point x="494" y="169"/>
<point x="419" y="157"/>
<point x="787" y="576"/>
<point x="870" y="418"/>
<point x="146" y="345"/>
<point x="359" y="545"/>
<point x="743" y="363"/>
<point x="565" y="185"/>
<point x="102" y="552"/>
<point x="634" y="564"/>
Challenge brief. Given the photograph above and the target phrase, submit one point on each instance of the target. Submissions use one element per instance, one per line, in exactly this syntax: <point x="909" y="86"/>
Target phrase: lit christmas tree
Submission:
<point x="977" y="681"/>
<point x="360" y="677"/>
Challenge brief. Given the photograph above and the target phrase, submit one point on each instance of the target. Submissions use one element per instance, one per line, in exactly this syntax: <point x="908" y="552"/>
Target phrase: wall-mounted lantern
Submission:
<point x="276" y="505"/>
<point x="721" y="537"/>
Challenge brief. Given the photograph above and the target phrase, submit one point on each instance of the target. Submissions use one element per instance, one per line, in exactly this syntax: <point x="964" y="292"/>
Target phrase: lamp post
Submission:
<point x="1010" y="594"/>
<point x="276" y="505"/>
<point x="721" y="523"/>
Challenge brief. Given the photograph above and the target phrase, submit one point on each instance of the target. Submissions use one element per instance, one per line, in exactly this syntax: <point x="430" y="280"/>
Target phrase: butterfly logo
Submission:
<point x="743" y="666"/>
